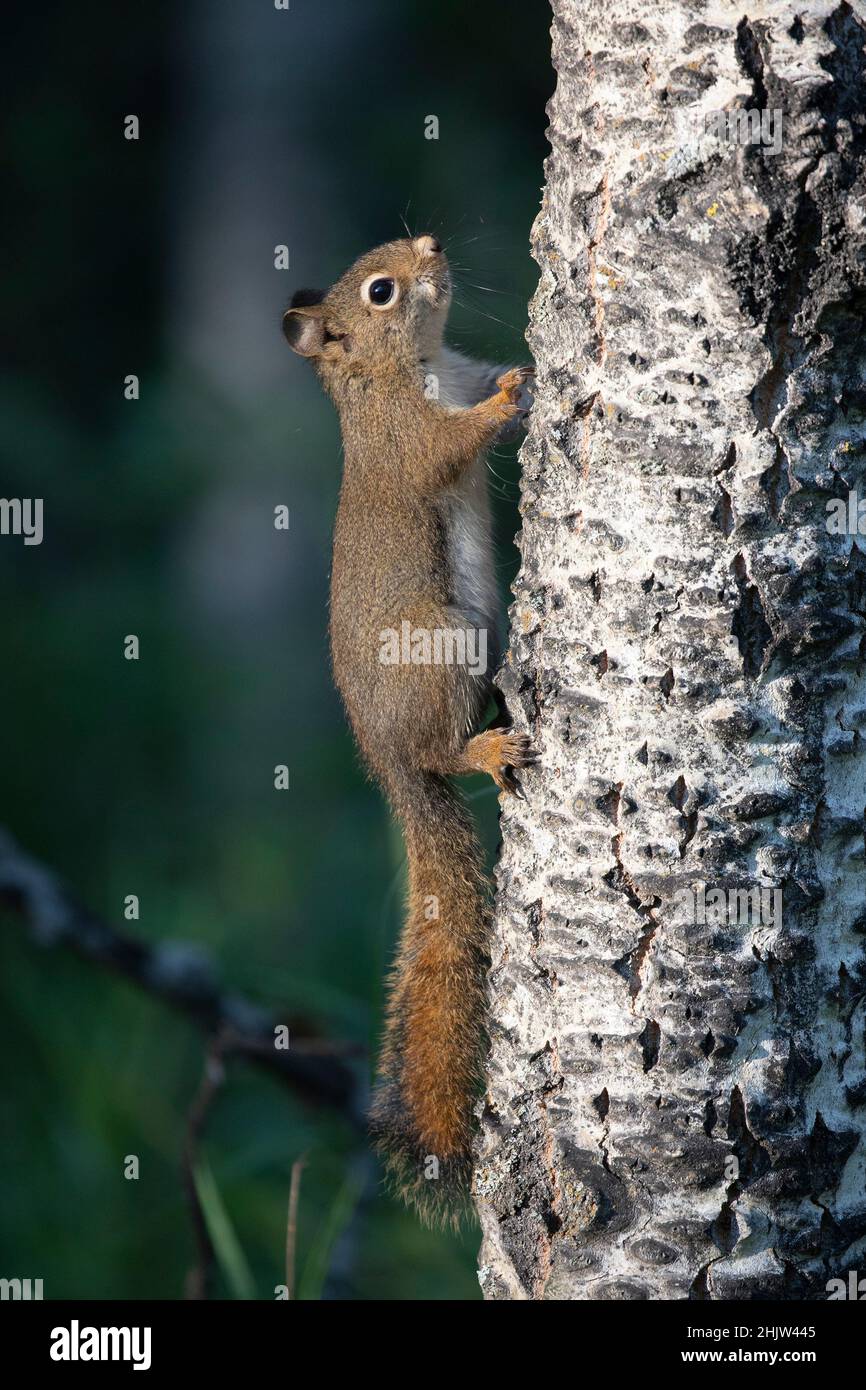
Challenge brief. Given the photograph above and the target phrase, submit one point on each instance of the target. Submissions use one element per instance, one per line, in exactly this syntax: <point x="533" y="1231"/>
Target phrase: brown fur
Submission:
<point x="414" y="724"/>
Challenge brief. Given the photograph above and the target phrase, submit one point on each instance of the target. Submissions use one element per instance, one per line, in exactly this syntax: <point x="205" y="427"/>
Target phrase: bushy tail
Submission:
<point x="432" y="1058"/>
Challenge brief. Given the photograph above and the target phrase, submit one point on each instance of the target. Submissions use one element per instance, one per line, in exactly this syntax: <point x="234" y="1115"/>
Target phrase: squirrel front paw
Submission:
<point x="511" y="385"/>
<point x="518" y="380"/>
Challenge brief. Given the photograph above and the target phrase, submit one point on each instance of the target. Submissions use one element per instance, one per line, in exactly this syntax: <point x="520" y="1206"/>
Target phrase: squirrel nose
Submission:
<point x="426" y="245"/>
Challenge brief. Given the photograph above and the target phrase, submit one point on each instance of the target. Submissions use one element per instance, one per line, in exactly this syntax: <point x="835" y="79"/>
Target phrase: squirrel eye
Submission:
<point x="380" y="291"/>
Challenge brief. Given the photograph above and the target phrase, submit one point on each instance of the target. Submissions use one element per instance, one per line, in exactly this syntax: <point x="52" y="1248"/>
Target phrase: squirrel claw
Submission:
<point x="511" y="784"/>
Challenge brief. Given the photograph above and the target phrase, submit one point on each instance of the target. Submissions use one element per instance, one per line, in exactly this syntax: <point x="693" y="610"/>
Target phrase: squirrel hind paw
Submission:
<point x="499" y="752"/>
<point x="519" y="753"/>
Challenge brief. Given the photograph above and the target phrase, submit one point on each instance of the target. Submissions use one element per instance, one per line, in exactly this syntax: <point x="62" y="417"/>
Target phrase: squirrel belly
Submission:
<point x="465" y="508"/>
<point x="465" y="512"/>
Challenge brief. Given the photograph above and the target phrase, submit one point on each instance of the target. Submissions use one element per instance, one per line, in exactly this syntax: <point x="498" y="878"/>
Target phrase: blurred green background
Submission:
<point x="259" y="127"/>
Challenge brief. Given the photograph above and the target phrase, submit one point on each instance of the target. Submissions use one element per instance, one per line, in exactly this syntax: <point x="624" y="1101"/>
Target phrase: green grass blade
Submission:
<point x="316" y="1266"/>
<point x="230" y="1257"/>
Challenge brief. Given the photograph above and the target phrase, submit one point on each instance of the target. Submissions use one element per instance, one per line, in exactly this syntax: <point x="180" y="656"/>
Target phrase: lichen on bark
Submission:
<point x="676" y="1108"/>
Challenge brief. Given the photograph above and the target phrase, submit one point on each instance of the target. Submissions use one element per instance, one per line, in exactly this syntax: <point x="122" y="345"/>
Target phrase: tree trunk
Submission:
<point x="676" y="1097"/>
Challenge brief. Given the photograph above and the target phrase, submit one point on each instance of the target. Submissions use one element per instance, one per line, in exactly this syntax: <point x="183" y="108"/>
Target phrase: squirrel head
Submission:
<point x="387" y="312"/>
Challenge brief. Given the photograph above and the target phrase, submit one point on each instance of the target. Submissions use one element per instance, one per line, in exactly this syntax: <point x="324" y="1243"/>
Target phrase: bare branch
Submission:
<point x="181" y="975"/>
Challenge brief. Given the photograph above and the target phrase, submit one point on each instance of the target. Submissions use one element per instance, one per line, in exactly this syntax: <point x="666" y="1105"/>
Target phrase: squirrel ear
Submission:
<point x="304" y="328"/>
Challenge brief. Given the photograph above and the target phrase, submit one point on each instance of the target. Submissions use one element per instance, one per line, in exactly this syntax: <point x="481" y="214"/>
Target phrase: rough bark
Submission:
<point x="677" y="1109"/>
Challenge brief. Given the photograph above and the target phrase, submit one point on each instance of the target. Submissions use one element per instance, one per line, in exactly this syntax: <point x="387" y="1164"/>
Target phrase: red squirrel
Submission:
<point x="413" y="622"/>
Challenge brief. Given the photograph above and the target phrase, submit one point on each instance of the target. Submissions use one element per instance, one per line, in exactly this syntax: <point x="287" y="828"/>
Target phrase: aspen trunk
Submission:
<point x="676" y="1101"/>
